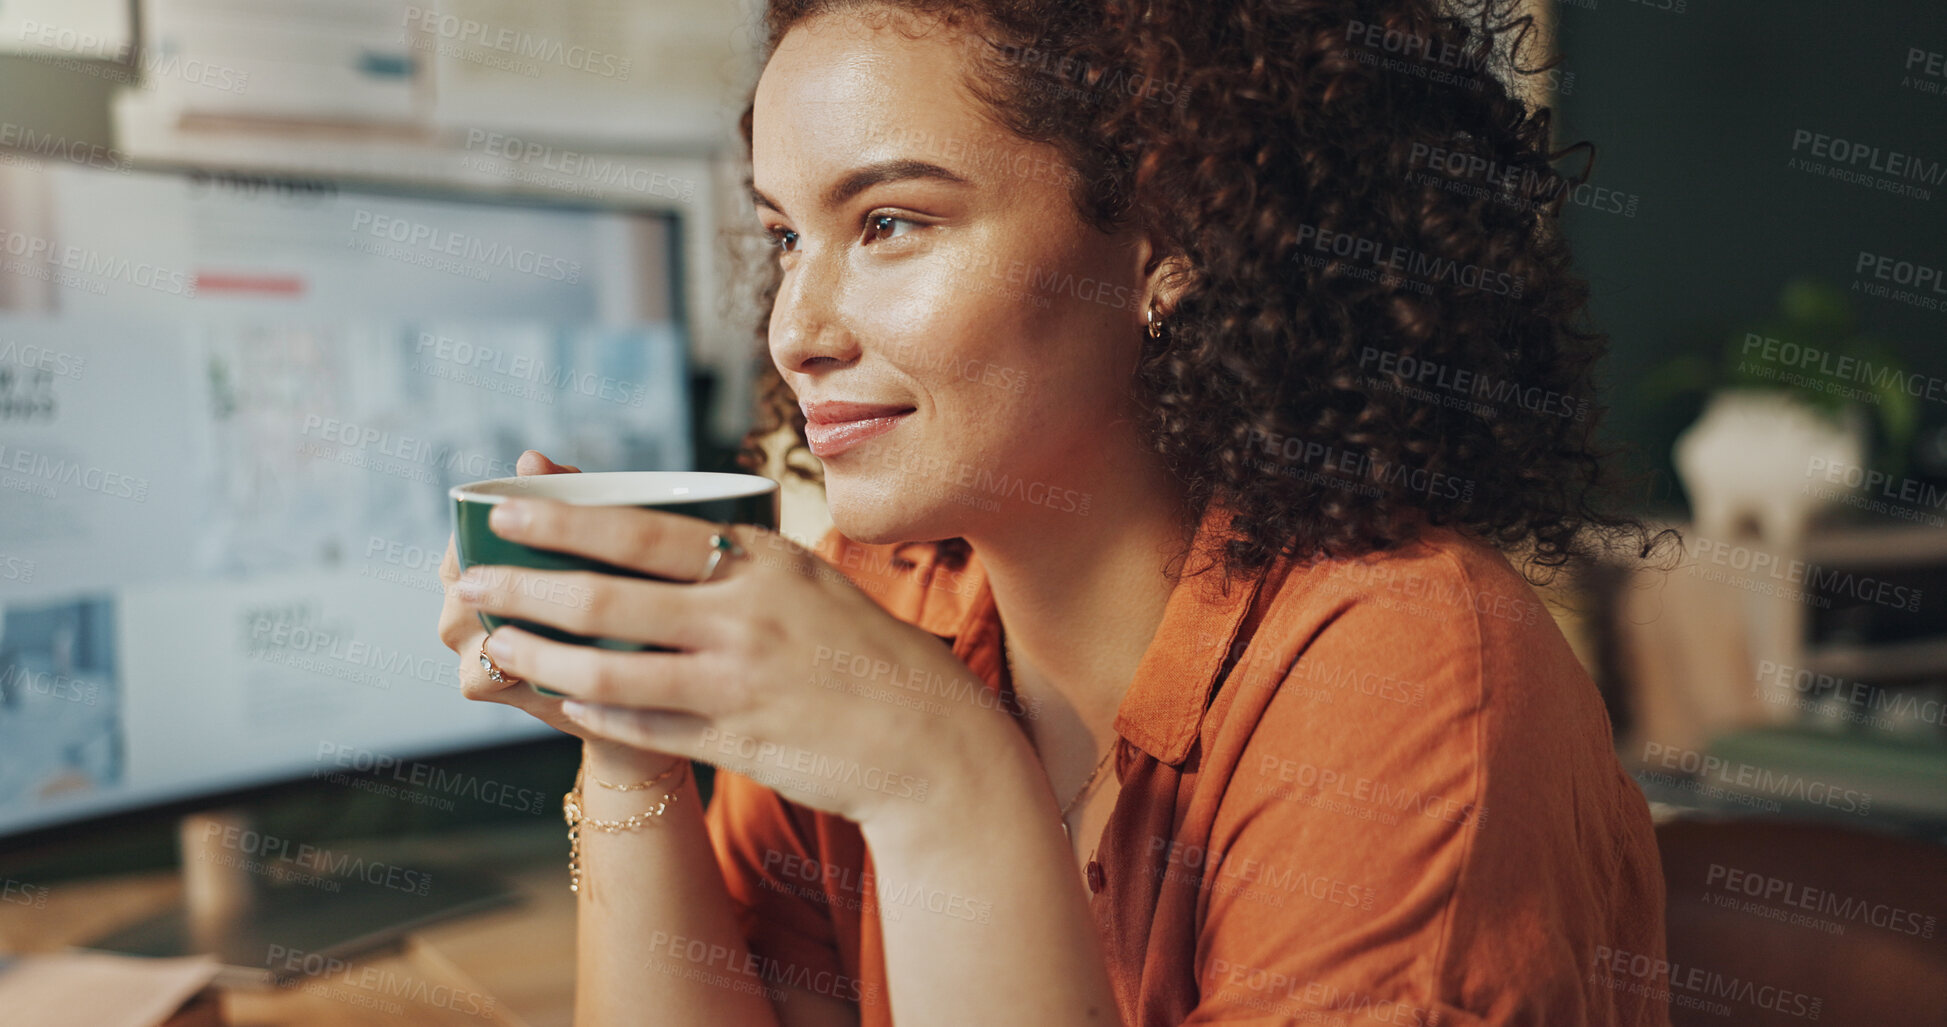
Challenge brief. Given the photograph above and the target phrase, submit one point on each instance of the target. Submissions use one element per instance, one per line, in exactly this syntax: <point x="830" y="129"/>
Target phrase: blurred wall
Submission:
<point x="1695" y="113"/>
<point x="46" y="98"/>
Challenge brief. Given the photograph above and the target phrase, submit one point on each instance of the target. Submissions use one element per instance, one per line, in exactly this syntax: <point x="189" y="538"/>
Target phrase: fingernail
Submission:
<point x="575" y="711"/>
<point x="509" y="516"/>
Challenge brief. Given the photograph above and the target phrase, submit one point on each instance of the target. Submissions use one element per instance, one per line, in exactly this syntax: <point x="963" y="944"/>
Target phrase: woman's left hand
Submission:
<point x="784" y="670"/>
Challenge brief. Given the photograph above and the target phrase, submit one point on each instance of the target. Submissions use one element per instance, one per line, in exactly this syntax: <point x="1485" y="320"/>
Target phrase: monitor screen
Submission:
<point x="230" y="411"/>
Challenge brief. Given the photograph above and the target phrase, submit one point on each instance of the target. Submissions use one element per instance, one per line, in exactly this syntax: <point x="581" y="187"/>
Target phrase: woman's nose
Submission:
<point x="808" y="329"/>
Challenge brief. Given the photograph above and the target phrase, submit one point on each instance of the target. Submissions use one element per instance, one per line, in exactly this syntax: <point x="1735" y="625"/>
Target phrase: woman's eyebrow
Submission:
<point x="862" y="178"/>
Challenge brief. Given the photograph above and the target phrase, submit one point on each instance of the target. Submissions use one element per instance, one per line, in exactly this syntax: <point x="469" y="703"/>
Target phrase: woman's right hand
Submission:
<point x="461" y="631"/>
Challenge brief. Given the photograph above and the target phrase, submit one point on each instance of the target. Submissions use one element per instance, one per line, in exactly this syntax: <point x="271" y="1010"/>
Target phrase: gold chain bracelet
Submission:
<point x="572" y="812"/>
<point x="642" y="785"/>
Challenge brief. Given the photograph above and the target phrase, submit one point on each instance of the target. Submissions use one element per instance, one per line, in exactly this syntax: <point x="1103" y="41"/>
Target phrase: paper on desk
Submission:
<point x="93" y="989"/>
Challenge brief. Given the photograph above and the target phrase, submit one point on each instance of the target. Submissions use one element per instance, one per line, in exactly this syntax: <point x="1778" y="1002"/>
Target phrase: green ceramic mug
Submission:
<point x="713" y="496"/>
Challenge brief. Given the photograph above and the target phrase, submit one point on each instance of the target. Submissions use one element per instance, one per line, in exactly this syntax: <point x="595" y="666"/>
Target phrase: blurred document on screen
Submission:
<point x="165" y="244"/>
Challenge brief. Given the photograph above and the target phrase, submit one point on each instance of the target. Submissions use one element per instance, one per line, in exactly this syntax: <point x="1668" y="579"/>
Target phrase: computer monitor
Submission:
<point x="230" y="411"/>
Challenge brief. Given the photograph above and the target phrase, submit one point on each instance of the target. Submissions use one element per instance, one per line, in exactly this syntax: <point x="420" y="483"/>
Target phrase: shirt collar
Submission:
<point x="1162" y="712"/>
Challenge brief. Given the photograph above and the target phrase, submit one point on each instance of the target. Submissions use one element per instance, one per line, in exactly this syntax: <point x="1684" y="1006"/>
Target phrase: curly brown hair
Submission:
<point x="1379" y="298"/>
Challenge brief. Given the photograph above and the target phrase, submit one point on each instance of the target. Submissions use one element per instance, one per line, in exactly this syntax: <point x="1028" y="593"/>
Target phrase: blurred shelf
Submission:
<point x="1875" y="545"/>
<point x="393" y="154"/>
<point x="1891" y="775"/>
<point x="1891" y="661"/>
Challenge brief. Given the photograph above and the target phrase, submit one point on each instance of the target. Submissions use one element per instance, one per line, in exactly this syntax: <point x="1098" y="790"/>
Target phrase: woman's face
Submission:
<point x="933" y="263"/>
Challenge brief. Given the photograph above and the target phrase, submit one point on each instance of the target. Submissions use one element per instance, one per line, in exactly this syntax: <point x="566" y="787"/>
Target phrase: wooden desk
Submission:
<point x="510" y="967"/>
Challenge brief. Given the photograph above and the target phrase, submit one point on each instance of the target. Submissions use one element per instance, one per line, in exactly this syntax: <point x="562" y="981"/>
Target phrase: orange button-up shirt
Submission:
<point x="1362" y="791"/>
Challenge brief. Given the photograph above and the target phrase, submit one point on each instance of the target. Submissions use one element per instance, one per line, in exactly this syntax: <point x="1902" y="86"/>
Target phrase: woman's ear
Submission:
<point x="1167" y="277"/>
<point x="1165" y="272"/>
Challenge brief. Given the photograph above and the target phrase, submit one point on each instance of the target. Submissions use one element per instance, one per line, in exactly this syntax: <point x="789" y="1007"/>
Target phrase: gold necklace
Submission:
<point x="1015" y="679"/>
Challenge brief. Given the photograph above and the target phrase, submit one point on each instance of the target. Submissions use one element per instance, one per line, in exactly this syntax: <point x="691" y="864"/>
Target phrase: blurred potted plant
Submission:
<point x="1790" y="415"/>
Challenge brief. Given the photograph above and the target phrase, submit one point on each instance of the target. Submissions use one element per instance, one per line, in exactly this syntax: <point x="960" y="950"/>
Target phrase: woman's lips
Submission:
<point x="830" y="438"/>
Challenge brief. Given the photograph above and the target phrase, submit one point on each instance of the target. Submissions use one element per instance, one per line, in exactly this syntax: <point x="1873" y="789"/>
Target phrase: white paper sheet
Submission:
<point x="91" y="989"/>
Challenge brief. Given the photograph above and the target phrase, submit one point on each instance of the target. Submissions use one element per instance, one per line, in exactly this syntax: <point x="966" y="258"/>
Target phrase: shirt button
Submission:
<point x="1096" y="879"/>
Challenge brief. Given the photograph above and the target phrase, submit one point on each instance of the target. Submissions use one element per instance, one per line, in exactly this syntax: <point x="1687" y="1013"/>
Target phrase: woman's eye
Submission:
<point x="783" y="238"/>
<point x="879" y="223"/>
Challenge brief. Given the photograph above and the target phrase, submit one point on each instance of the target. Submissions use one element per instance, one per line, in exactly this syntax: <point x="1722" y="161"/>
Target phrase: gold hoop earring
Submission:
<point x="1155" y="323"/>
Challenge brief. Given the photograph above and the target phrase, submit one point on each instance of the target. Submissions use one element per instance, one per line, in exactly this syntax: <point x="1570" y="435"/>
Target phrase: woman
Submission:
<point x="1178" y="374"/>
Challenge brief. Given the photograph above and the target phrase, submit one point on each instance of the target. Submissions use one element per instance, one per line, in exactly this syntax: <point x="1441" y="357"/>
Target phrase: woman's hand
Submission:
<point x="784" y="671"/>
<point x="460" y="629"/>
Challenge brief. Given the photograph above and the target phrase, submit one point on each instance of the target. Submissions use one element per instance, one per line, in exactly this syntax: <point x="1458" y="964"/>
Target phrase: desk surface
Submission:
<point x="509" y="967"/>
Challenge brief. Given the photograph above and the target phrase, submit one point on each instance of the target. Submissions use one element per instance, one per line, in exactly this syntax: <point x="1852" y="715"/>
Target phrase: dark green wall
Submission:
<point x="1695" y="113"/>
